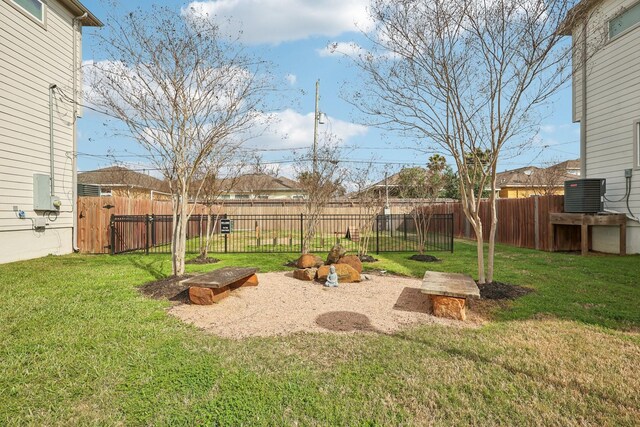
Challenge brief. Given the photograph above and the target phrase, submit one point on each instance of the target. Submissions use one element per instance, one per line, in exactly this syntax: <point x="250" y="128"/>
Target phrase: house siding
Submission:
<point x="33" y="57"/>
<point x="613" y="91"/>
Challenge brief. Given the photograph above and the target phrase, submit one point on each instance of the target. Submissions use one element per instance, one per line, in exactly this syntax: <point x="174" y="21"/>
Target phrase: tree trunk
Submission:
<point x="477" y="227"/>
<point x="492" y="237"/>
<point x="179" y="236"/>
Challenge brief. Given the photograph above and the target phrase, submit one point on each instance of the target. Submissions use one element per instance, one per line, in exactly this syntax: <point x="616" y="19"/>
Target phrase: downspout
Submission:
<point x="583" y="118"/>
<point x="74" y="156"/>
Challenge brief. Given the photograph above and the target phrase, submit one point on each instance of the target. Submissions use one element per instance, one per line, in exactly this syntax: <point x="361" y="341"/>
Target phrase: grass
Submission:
<point x="79" y="345"/>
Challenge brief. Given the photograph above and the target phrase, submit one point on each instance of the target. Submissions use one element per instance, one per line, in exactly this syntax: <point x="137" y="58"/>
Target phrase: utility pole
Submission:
<point x="316" y="120"/>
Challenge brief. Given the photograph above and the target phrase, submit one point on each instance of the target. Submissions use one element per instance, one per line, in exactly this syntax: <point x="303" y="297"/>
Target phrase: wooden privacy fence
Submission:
<point x="521" y="222"/>
<point x="94" y="214"/>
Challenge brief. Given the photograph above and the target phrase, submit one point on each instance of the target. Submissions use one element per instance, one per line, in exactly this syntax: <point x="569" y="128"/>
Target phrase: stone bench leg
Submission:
<point x="247" y="281"/>
<point x="449" y="307"/>
<point x="207" y="296"/>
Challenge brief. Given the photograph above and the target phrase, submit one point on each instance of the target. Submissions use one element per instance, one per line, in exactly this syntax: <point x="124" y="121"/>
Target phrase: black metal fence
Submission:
<point x="284" y="233"/>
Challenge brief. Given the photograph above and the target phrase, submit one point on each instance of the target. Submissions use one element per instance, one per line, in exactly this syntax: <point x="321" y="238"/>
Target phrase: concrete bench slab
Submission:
<point x="209" y="288"/>
<point x="449" y="292"/>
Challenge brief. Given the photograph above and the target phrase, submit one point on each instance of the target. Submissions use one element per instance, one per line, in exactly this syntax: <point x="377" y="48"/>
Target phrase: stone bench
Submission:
<point x="208" y="288"/>
<point x="448" y="293"/>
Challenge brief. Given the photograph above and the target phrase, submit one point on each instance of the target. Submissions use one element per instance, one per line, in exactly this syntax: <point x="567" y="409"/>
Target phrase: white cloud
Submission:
<point x="293" y="130"/>
<point x="277" y="21"/>
<point x="341" y="48"/>
<point x="291" y="79"/>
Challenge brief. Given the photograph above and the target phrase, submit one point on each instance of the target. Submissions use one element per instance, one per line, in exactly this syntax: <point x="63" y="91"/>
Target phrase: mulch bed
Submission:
<point x="501" y="291"/>
<point x="424" y="258"/>
<point x="168" y="288"/>
<point x="202" y="261"/>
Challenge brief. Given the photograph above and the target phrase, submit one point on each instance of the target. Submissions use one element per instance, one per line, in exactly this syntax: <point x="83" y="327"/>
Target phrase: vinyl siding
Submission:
<point x="33" y="57"/>
<point x="613" y="105"/>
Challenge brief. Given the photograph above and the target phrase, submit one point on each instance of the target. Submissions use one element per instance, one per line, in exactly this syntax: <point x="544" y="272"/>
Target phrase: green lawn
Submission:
<point x="79" y="345"/>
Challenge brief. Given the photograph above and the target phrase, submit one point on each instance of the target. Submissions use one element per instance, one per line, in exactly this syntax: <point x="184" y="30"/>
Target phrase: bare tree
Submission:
<point x="421" y="187"/>
<point x="320" y="183"/>
<point x="370" y="203"/>
<point x="467" y="77"/>
<point x="218" y="176"/>
<point x="549" y="180"/>
<point x="182" y="90"/>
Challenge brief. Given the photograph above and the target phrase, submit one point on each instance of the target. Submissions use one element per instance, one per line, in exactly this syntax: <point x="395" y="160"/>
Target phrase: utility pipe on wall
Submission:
<point x="583" y="116"/>
<point x="51" y="153"/>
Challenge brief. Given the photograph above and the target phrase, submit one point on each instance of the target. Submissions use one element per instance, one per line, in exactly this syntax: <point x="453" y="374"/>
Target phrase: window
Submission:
<point x="242" y="196"/>
<point x="627" y="20"/>
<point x="636" y="144"/>
<point x="106" y="191"/>
<point x="262" y="196"/>
<point x="32" y="8"/>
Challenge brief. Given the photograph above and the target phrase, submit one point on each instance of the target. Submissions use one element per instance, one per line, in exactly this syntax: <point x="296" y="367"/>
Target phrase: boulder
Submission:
<point x="307" y="274"/>
<point x="335" y="254"/>
<point x="346" y="273"/>
<point x="353" y="261"/>
<point x="450" y="307"/>
<point x="309" y="261"/>
<point x="207" y="296"/>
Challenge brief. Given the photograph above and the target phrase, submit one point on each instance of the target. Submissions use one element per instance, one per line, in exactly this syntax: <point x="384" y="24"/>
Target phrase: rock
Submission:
<point x="450" y="307"/>
<point x="353" y="261"/>
<point x="309" y="261"/>
<point x="335" y="254"/>
<point x="367" y="258"/>
<point x="346" y="273"/>
<point x="307" y="274"/>
<point x="207" y="296"/>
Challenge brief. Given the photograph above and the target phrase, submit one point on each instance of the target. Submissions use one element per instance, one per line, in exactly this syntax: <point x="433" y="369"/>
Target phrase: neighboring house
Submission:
<point x="40" y="56"/>
<point x="606" y="102"/>
<point x="392" y="184"/>
<point x="533" y="181"/>
<point x="122" y="182"/>
<point x="263" y="186"/>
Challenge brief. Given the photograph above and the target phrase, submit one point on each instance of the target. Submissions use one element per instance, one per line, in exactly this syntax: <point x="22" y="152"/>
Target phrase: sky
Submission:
<point x="294" y="35"/>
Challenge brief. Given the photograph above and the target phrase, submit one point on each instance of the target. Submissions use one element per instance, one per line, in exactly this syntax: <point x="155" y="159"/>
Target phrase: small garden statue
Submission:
<point x="332" y="278"/>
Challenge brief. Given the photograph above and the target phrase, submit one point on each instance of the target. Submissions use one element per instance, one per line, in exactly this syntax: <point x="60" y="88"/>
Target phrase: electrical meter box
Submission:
<point x="43" y="200"/>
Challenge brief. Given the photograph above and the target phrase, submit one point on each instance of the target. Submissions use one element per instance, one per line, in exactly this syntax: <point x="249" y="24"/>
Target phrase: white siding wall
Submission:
<point x="32" y="57"/>
<point x="613" y="104"/>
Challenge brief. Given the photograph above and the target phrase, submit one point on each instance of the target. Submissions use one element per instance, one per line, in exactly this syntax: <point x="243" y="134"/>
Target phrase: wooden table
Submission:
<point x="209" y="288"/>
<point x="449" y="292"/>
<point x="585" y="221"/>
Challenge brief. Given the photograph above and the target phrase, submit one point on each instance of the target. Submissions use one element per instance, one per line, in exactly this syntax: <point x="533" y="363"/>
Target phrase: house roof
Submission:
<point x="517" y="177"/>
<point x="534" y="176"/>
<point x="576" y="14"/>
<point x="568" y="165"/>
<point x="79" y="9"/>
<point x="119" y="176"/>
<point x="393" y="180"/>
<point x="263" y="182"/>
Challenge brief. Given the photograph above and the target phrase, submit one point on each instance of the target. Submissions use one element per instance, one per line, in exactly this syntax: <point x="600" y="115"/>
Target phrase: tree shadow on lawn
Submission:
<point x="149" y="267"/>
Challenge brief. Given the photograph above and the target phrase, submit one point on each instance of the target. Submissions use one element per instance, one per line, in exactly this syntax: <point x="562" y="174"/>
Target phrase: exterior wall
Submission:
<point x="137" y="193"/>
<point x="613" y="91"/>
<point x="33" y="57"/>
<point x="518" y="192"/>
<point x="271" y="194"/>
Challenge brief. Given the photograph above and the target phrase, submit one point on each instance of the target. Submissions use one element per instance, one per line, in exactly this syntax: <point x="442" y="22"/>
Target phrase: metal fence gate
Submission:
<point x="284" y="233"/>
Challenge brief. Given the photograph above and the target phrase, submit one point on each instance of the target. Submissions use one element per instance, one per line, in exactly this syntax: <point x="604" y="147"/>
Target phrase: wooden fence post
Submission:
<point x="536" y="221"/>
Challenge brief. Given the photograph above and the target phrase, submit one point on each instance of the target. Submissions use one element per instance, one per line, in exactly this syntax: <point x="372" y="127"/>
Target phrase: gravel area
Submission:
<point x="282" y="305"/>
